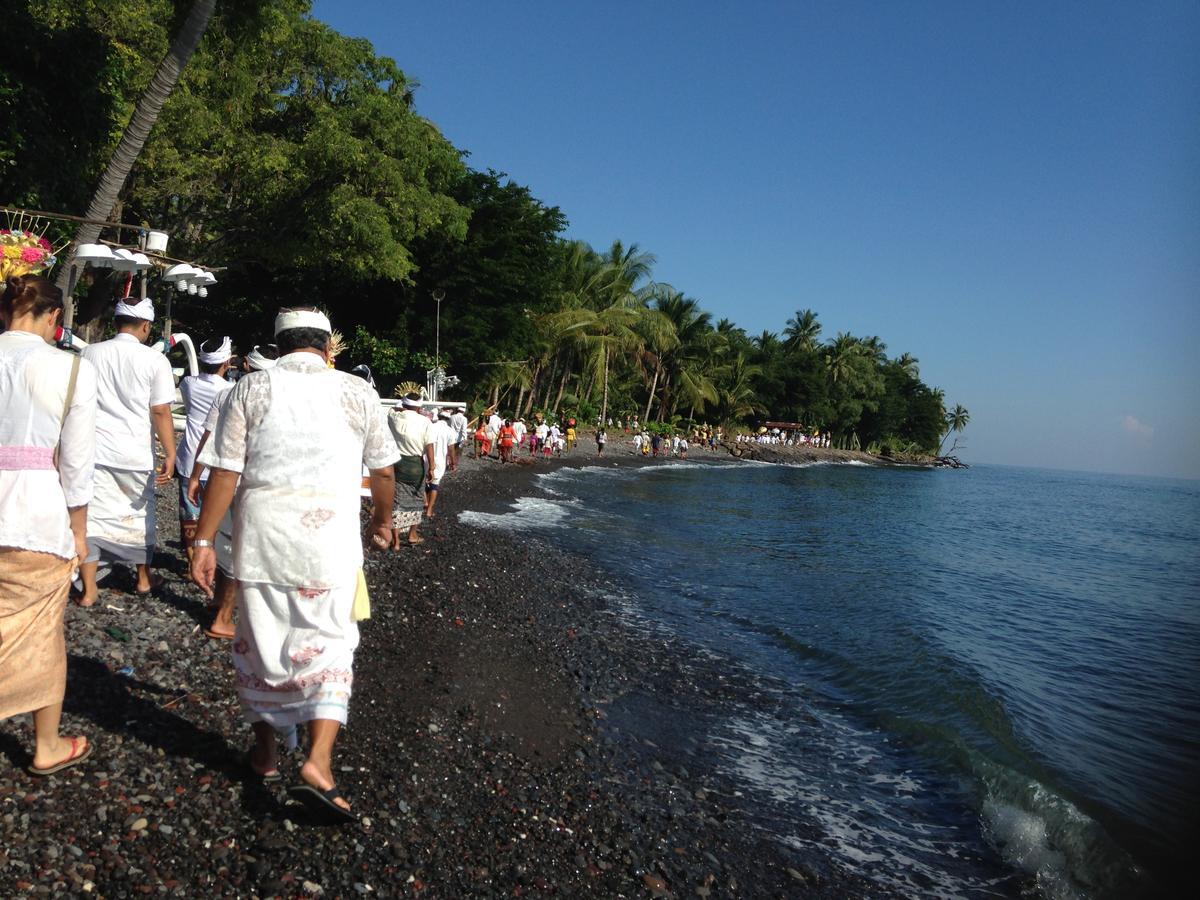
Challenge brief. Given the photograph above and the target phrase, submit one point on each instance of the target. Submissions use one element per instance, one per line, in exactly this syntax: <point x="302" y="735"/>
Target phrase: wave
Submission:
<point x="1041" y="833"/>
<point x="876" y="830"/>
<point x="527" y="512"/>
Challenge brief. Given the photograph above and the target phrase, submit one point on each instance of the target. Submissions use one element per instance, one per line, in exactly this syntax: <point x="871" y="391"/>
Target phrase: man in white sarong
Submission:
<point x="200" y="395"/>
<point x="296" y="435"/>
<point x="135" y="390"/>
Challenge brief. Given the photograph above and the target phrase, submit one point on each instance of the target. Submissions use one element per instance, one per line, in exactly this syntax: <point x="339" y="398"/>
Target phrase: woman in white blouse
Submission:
<point x="47" y="451"/>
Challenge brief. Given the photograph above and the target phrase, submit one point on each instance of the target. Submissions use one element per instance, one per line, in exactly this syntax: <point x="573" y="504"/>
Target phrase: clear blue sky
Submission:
<point x="1011" y="192"/>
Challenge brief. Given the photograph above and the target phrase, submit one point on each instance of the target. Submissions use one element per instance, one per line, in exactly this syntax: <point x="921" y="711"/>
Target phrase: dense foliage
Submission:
<point x="292" y="157"/>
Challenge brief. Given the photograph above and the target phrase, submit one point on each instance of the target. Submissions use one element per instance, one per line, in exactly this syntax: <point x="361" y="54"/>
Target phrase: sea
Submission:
<point x="989" y="678"/>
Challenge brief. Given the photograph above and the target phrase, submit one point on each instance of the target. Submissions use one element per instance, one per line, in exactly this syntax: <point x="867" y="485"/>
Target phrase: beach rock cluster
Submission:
<point x="497" y="746"/>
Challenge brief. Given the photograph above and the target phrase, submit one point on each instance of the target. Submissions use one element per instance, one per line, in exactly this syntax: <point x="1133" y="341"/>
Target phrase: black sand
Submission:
<point x="508" y="736"/>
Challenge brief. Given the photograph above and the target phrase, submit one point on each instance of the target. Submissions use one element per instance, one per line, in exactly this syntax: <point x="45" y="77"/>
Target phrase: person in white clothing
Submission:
<point x="519" y="431"/>
<point x="458" y="421"/>
<point x="290" y="441"/>
<point x="443" y="435"/>
<point x="494" y="424"/>
<point x="224" y="598"/>
<point x="200" y="394"/>
<point x="135" y="390"/>
<point x="414" y="439"/>
<point x="47" y="447"/>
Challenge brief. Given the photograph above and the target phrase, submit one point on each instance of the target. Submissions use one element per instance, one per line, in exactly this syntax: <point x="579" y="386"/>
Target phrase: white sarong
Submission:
<point x="293" y="652"/>
<point x="120" y="520"/>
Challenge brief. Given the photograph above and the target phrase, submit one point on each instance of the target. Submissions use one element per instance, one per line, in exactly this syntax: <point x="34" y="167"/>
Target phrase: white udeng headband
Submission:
<point x="257" y="361"/>
<point x="410" y="404"/>
<point x="141" y="310"/>
<point x="302" y="318"/>
<point x="220" y="355"/>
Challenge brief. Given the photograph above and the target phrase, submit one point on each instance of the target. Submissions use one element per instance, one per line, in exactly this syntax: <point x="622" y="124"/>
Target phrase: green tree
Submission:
<point x="802" y="331"/>
<point x="956" y="422"/>
<point x="145" y="115"/>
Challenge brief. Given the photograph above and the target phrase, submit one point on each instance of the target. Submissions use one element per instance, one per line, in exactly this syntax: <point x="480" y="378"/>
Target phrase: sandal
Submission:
<point x="322" y="802"/>
<point x="76" y="756"/>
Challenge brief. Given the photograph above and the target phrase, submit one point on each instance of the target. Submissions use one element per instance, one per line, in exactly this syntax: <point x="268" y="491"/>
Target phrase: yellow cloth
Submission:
<point x="33" y="652"/>
<point x="362" y="601"/>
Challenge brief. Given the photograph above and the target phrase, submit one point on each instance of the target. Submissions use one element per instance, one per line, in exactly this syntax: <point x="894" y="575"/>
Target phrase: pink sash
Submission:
<point x="17" y="459"/>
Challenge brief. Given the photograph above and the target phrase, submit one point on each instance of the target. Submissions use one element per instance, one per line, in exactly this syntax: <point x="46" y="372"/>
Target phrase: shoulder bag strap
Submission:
<point x="67" y="403"/>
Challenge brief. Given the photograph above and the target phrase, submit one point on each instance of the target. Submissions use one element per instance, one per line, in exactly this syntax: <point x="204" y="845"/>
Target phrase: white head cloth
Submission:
<point x="221" y="355"/>
<point x="410" y="404"/>
<point x="142" y="310"/>
<point x="302" y="318"/>
<point x="257" y="361"/>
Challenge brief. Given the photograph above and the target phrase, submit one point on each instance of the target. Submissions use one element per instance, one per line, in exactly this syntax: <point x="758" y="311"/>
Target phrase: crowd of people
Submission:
<point x="503" y="438"/>
<point x="271" y="472"/>
<point x="794" y="438"/>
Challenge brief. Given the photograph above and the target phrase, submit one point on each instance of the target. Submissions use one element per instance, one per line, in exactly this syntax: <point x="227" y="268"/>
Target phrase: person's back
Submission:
<point x="34" y="383"/>
<point x="304" y="431"/>
<point x="200" y="393"/>
<point x="130" y="378"/>
<point x="442" y="433"/>
<point x="47" y="435"/>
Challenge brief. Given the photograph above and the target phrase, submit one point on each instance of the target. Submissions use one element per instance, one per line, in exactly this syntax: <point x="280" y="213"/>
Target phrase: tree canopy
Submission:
<point x="293" y="160"/>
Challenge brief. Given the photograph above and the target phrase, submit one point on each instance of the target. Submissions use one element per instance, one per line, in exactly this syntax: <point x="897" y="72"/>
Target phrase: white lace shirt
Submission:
<point x="299" y="434"/>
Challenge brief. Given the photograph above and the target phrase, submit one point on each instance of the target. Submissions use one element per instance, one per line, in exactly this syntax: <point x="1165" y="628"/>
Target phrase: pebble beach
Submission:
<point x="497" y="743"/>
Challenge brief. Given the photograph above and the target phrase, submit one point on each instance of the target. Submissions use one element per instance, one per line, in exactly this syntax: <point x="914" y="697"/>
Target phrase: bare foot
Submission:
<point x="85" y="601"/>
<point x="321" y="779"/>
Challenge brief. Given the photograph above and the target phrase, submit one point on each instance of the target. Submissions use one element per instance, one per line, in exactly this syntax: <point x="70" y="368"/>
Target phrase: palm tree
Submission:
<point x="145" y="114"/>
<point x="874" y="348"/>
<point x="840" y="358"/>
<point x="802" y="331"/>
<point x="767" y="343"/>
<point x="908" y="363"/>
<point x="628" y="265"/>
<point x="600" y="333"/>
<point x="736" y="395"/>
<point x="685" y="364"/>
<point x="956" y="422"/>
<point x="658" y="336"/>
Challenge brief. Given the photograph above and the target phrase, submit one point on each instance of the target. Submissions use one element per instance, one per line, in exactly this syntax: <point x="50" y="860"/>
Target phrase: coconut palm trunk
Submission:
<point x="562" y="386"/>
<point x="653" y="386"/>
<point x="145" y="114"/>
<point x="604" y="391"/>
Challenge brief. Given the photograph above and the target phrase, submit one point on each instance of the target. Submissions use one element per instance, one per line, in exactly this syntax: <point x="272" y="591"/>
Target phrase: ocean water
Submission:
<point x="984" y="682"/>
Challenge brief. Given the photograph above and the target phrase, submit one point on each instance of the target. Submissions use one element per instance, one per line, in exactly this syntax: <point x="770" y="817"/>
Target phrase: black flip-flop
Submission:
<point x="322" y="802"/>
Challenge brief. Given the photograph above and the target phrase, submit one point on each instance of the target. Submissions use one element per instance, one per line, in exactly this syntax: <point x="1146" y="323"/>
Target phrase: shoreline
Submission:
<point x="495" y="744"/>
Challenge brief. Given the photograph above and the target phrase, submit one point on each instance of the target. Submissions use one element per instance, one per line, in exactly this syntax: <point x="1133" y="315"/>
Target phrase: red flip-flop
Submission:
<point x="76" y="756"/>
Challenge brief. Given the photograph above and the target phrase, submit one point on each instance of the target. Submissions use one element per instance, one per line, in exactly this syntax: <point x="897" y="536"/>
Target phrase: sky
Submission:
<point x="1010" y="192"/>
